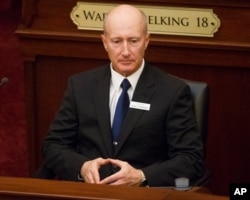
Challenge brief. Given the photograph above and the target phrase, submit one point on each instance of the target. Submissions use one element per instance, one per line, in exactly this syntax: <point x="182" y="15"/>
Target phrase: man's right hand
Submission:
<point x="90" y="170"/>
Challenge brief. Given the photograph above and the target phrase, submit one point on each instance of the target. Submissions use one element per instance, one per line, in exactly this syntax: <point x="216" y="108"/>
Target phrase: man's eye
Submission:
<point x="134" y="41"/>
<point x="116" y="41"/>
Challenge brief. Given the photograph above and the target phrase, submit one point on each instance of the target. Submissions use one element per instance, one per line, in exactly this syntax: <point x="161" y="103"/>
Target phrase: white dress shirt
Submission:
<point x="116" y="90"/>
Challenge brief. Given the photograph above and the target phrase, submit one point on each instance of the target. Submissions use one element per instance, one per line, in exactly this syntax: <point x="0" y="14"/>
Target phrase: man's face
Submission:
<point x="125" y="41"/>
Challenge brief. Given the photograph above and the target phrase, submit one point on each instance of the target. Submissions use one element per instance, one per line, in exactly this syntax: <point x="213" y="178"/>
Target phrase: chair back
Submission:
<point x="200" y="95"/>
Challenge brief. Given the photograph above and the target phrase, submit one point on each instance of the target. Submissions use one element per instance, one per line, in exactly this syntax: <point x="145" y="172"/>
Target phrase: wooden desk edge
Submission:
<point x="29" y="188"/>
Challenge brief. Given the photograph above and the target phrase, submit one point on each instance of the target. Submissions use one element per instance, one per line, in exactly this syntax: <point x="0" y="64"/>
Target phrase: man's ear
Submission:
<point x="147" y="40"/>
<point x="104" y="41"/>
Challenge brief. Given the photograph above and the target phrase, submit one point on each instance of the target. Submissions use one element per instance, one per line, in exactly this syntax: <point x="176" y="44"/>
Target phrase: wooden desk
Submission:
<point x="29" y="189"/>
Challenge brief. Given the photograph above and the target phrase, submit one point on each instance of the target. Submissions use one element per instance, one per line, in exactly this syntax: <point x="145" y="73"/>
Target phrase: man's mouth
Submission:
<point x="126" y="62"/>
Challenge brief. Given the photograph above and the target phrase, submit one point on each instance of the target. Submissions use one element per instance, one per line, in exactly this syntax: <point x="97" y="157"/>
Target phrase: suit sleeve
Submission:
<point x="59" y="149"/>
<point x="185" y="148"/>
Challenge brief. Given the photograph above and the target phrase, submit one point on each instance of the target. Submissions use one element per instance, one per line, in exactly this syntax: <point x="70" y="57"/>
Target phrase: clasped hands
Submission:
<point x="127" y="175"/>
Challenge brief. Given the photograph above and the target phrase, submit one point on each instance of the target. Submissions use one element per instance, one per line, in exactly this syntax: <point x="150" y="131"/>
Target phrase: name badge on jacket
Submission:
<point x="139" y="105"/>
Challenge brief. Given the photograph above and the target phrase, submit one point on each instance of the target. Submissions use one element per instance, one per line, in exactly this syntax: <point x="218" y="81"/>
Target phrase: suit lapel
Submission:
<point x="101" y="102"/>
<point x="143" y="93"/>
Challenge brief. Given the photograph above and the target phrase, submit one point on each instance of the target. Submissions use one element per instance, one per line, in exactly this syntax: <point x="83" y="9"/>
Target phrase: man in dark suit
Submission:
<point x="158" y="141"/>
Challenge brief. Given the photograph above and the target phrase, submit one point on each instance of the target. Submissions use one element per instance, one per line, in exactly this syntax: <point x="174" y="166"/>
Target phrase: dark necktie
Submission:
<point x="121" y="109"/>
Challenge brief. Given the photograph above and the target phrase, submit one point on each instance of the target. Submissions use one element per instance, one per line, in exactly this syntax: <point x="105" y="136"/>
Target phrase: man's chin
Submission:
<point x="127" y="72"/>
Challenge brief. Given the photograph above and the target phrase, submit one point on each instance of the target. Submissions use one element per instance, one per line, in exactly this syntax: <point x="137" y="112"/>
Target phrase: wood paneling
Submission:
<point x="53" y="49"/>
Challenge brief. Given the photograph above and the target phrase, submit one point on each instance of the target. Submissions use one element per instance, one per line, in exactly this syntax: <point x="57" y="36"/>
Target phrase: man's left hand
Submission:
<point x="127" y="175"/>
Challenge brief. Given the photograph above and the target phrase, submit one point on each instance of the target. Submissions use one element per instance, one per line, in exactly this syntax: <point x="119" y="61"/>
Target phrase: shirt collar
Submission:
<point x="116" y="78"/>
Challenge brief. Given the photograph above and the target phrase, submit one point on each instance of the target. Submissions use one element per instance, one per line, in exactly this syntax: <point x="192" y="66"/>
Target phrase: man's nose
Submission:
<point x="125" y="50"/>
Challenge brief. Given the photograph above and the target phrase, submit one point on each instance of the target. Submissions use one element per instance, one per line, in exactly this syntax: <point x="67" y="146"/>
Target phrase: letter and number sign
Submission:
<point x="161" y="20"/>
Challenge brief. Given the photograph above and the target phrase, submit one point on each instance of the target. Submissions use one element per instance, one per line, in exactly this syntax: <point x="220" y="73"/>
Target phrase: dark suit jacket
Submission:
<point x="163" y="142"/>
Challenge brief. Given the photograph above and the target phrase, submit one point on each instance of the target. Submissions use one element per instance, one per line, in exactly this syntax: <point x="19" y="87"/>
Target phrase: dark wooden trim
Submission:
<point x="29" y="11"/>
